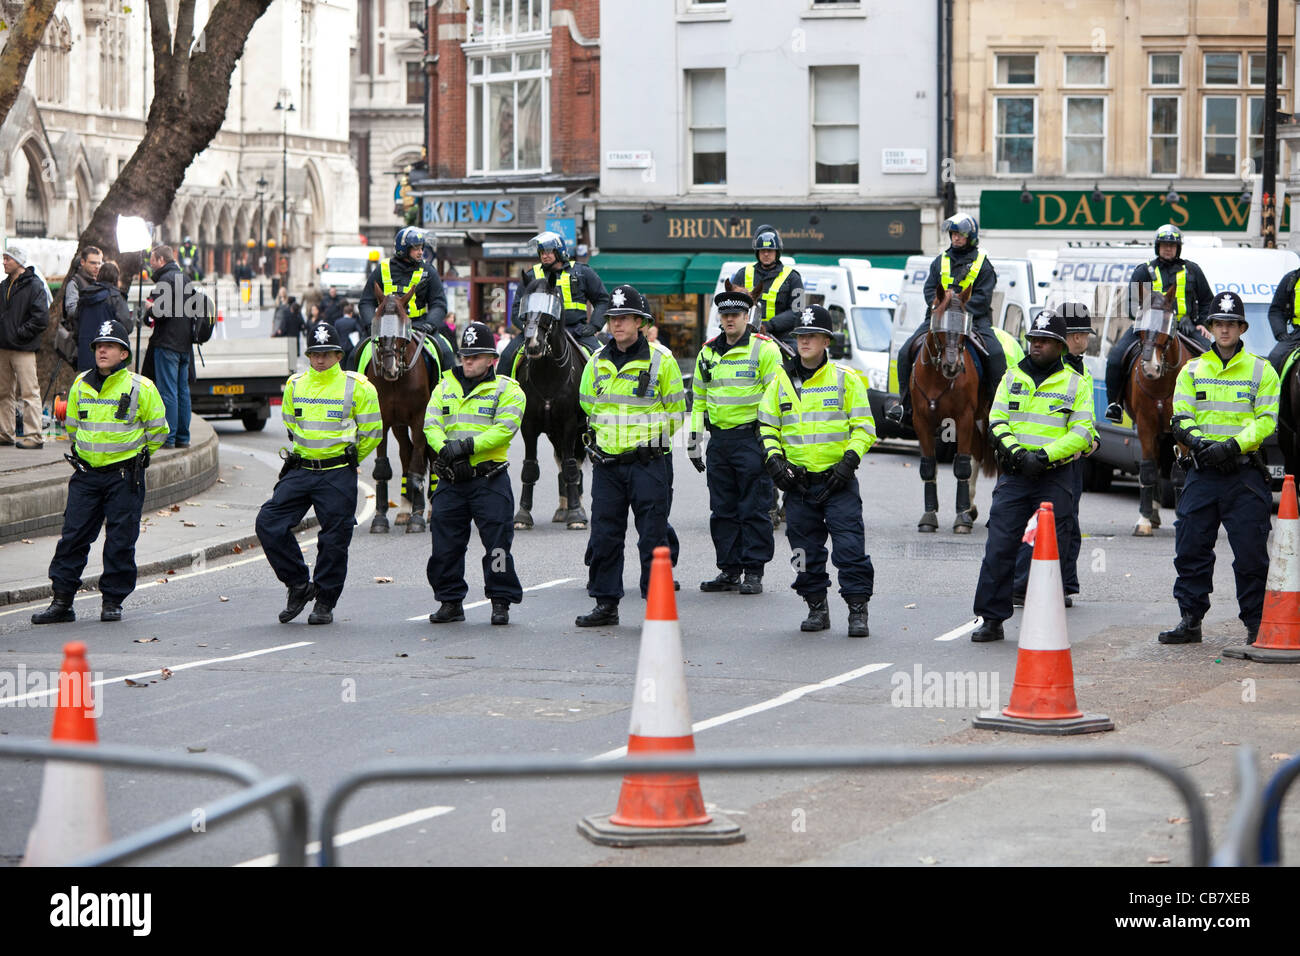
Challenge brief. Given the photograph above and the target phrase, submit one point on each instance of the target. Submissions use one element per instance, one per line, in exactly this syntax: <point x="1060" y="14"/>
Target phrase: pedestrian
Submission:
<point x="472" y="416"/>
<point x="732" y="371"/>
<point x="816" y="426"/>
<point x="349" y="330"/>
<point x="634" y="399"/>
<point x="1225" y="405"/>
<point x="170" y="343"/>
<point x="98" y="302"/>
<point x="1040" y="421"/>
<point x="24" y="316"/>
<point x="115" y="422"/>
<point x="87" y="274"/>
<point x="243" y="271"/>
<point x="332" y="304"/>
<point x="334" y="422"/>
<point x="289" y="322"/>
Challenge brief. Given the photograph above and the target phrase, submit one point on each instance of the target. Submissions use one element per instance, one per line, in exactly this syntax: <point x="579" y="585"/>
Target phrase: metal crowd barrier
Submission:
<point x="406" y="770"/>
<point x="289" y="820"/>
<point x="1241" y="841"/>
<point x="1270" y="830"/>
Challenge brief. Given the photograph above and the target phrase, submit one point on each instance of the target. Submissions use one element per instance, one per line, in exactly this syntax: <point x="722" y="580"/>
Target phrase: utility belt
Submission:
<point x="462" y="472"/>
<point x="293" y="460"/>
<point x="1233" y="465"/>
<point x="739" y="431"/>
<point x="126" y="466"/>
<point x="644" y="454"/>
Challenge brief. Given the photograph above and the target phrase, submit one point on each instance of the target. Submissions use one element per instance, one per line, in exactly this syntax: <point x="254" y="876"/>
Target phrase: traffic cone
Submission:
<point x="660" y="808"/>
<point x="1278" y="640"/>
<point x="72" y="816"/>
<point x="1042" y="697"/>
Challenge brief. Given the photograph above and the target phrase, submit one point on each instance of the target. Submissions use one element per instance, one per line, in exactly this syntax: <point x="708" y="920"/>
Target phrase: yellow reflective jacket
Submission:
<point x="1056" y="416"/>
<point x="1237" y="399"/>
<point x="100" y="435"/>
<point x="490" y="414"/>
<point x="729" y="385"/>
<point x="816" y="424"/>
<point x="622" y="413"/>
<point x="328" y="412"/>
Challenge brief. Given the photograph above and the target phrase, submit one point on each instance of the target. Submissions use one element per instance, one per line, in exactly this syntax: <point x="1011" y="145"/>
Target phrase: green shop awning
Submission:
<point x="651" y="274"/>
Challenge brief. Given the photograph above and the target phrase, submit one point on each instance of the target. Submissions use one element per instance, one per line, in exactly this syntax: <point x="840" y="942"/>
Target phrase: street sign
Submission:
<point x="904" y="160"/>
<point x="628" y="158"/>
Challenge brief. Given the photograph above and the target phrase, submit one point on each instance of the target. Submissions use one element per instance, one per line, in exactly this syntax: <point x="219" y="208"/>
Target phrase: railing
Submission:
<point x="1270" y="831"/>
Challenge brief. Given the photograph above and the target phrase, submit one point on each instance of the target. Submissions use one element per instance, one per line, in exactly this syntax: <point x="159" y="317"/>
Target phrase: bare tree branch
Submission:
<point x="24" y="37"/>
<point x="181" y="50"/>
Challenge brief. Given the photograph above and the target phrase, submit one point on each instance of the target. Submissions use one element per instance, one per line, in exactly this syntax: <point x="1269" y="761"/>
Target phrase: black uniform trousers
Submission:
<point x="114" y="499"/>
<point x="1015" y="499"/>
<point x="489" y="503"/>
<point x="1068" y="549"/>
<point x="806" y="527"/>
<point x="1242" y="503"/>
<point x="646" y="488"/>
<point x="740" y="494"/>
<point x="1284" y="348"/>
<point x="333" y="495"/>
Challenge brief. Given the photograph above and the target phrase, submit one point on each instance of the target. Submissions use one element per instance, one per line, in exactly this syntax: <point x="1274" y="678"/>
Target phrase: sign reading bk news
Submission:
<point x="730" y="230"/>
<point x="1121" y="211"/>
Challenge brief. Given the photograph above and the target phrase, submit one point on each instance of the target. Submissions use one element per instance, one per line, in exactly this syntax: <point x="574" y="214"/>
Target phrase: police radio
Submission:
<point x="642" y="383"/>
<point x="123" y="406"/>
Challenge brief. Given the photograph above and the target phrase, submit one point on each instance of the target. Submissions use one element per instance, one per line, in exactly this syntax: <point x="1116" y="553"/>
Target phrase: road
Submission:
<point x="382" y="681"/>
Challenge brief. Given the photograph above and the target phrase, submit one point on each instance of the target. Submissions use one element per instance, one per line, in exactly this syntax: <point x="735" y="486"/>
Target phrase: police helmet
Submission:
<point x="323" y="337"/>
<point x="407" y="239"/>
<point x="733" y="301"/>
<point x="111" y="330"/>
<point x="1077" y="317"/>
<point x="625" y="300"/>
<point x="477" y="339"/>
<point x="1228" y="307"/>
<point x="814" y="319"/>
<point x="551" y="242"/>
<point x="963" y="225"/>
<point x="1048" y="324"/>
<point x="1169" y="233"/>
<point x="766" y="237"/>
<point x="189" y="241"/>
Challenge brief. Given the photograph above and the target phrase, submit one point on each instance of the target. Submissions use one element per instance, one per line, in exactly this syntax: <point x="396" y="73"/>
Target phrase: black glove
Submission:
<point x="694" y="452"/>
<point x="839" y="477"/>
<point x="583" y="330"/>
<point x="778" y="469"/>
<point x="462" y="470"/>
<point x="1013" y="461"/>
<point x="1035" y="463"/>
<point x="456" y="448"/>
<point x="1221" y="455"/>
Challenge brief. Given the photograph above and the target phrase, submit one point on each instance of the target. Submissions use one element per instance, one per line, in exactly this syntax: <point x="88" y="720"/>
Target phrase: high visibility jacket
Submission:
<point x="413" y="308"/>
<point x="816" y="424"/>
<point x="1012" y="351"/>
<point x="623" y="419"/>
<point x="968" y="280"/>
<point x="1087" y="386"/>
<point x="563" y="282"/>
<point x="328" y="412"/>
<point x="490" y="414"/>
<point x="1238" y="399"/>
<point x="1056" y="415"/>
<point x="100" y="435"/>
<point x="1180" y="284"/>
<point x="769" y="297"/>
<point x="729" y="385"/>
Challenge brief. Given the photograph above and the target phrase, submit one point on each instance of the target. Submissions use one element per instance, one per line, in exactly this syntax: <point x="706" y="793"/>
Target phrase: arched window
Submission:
<point x="113" y="80"/>
<point x="51" y="71"/>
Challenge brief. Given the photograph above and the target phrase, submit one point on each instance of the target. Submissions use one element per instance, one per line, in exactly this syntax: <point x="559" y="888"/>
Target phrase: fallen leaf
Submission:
<point x="222" y="481"/>
<point x="908" y="607"/>
<point x="171" y="570"/>
<point x="189" y="524"/>
<point x="401" y="655"/>
<point x="134" y="683"/>
<point x="221" y="524"/>
<point x="200" y="645"/>
<point x="1177" y="819"/>
<point x="1279" y="756"/>
<point x="237" y="549"/>
<point x="165" y="673"/>
<point x="239" y="467"/>
<point x="383" y="580"/>
<point x="197" y="750"/>
<point x="163" y="514"/>
<point x="392" y="504"/>
<point x="459" y="657"/>
<point x="1228" y="743"/>
<point x="176" y="508"/>
<point x="161" y="581"/>
<point x="928" y="860"/>
<point x="224" y="599"/>
<point x="145" y="640"/>
<point x="28" y="541"/>
<point x="194" y="504"/>
<point x="1157" y="859"/>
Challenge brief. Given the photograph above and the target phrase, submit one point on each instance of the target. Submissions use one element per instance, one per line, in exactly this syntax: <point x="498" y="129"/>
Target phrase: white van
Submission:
<point x="346" y="267"/>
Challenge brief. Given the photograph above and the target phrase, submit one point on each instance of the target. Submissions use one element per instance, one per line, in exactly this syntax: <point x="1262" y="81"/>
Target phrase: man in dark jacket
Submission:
<point x="1284" y="320"/>
<point x="349" y="330"/>
<point x="332" y="306"/>
<point x="398" y="274"/>
<point x="776" y="287"/>
<point x="170" y="343"/>
<point x="98" y="303"/>
<point x="92" y="258"/>
<point x="24" y="315"/>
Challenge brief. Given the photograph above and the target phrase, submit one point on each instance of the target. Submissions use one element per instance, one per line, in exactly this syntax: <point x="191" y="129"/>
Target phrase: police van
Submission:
<point x="346" y="268"/>
<point x="1099" y="276"/>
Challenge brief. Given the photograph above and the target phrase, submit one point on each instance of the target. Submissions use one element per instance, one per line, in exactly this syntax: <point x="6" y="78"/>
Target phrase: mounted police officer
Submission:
<point x="731" y="373"/>
<point x="1040" y="421"/>
<point x="777" y="286"/>
<point x="816" y="426"/>
<point x="334" y="421"/>
<point x="962" y="267"/>
<point x="115" y="421"/>
<point x="633" y="396"/>
<point x="1225" y="405"/>
<point x="1169" y="270"/>
<point x="472" y="417"/>
<point x="403" y="271"/>
<point x="1284" y="319"/>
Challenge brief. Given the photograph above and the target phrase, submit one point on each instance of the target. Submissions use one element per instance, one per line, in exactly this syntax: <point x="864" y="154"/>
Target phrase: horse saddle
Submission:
<point x="432" y="360"/>
<point x="1192" y="344"/>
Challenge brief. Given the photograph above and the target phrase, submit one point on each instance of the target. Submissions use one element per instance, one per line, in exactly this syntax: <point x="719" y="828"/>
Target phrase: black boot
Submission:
<point x="59" y="612"/>
<point x="753" y="583"/>
<point x="990" y="630"/>
<point x="604" y="613"/>
<point x="450" y="611"/>
<point x="858" y="619"/>
<point x="500" y="611"/>
<point x="322" y="613"/>
<point x="1188" y="631"/>
<point x="819" y="615"/>
<point x="299" y="595"/>
<point x="1251" y="634"/>
<point x="725" y="581"/>
<point x="110" y="611"/>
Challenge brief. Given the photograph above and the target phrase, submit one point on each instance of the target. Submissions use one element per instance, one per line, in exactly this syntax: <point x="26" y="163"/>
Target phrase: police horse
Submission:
<point x="397" y="369"/>
<point x="549" y="369"/>
<point x="947" y="402"/>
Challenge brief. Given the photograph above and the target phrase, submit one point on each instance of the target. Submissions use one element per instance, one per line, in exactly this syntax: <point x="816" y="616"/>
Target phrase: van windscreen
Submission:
<point x="346" y="265"/>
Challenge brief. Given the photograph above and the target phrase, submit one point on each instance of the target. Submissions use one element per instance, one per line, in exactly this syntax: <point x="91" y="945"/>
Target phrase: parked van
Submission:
<point x="346" y="268"/>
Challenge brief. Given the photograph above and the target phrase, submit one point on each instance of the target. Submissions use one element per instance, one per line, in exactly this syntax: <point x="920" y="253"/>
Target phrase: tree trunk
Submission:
<point x="24" y="37"/>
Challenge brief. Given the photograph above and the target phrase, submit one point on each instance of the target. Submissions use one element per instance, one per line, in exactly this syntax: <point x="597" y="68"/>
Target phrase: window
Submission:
<point x="51" y="71"/>
<point x="706" y="91"/>
<point x="489" y="19"/>
<point x="1163" y="150"/>
<point x="306" y="41"/>
<point x="835" y="125"/>
<point x="1221" y="135"/>
<point x="1259" y="65"/>
<point x="1166" y="69"/>
<point x="1222" y="69"/>
<point x="1085" y="135"/>
<point x="1085" y="69"/>
<point x="113" y="81"/>
<point x="1014" y="147"/>
<point x="415" y="82"/>
<point x="509" y="110"/>
<point x="1017" y="69"/>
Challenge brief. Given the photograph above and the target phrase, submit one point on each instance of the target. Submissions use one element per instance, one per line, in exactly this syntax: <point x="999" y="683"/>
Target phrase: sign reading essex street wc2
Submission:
<point x="728" y="230"/>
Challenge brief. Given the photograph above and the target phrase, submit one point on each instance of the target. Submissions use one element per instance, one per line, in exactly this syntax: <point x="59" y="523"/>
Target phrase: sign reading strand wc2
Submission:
<point x="730" y="230"/>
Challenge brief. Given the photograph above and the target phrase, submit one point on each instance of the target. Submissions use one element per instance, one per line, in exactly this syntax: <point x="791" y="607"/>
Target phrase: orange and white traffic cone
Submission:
<point x="72" y="816"/>
<point x="1278" y="640"/>
<point x="1042" y="698"/>
<point x="660" y="808"/>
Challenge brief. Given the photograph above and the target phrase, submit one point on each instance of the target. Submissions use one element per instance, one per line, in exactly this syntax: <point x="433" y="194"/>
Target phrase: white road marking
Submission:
<point x="957" y="632"/>
<point x="5" y="701"/>
<point x="474" y="604"/>
<point x="360" y="833"/>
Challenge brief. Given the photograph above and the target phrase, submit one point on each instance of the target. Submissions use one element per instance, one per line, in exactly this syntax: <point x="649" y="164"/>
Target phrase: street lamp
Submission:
<point x="261" y="238"/>
<point x="285" y="106"/>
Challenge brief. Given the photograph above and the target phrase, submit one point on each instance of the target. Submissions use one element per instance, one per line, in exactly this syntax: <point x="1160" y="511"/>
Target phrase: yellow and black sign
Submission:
<point x="1134" y="211"/>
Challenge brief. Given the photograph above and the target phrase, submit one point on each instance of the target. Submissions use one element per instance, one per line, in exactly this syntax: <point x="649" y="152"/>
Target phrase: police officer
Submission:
<point x="1193" y="297"/>
<point x="731" y="373"/>
<point x="778" y="286"/>
<point x="188" y="254"/>
<point x="115" y="421"/>
<point x="1078" y="332"/>
<point x="334" y="421"/>
<point x="962" y="267"/>
<point x="1225" y="405"/>
<point x="1284" y="319"/>
<point x="575" y="283"/>
<point x="472" y="416"/>
<point x="632" y="393"/>
<point x="1041" y="419"/>
<point x="403" y="271"/>
<point x="816" y="425"/>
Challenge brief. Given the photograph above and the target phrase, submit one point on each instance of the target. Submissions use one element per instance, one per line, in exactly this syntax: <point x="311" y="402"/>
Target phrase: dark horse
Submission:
<point x="1288" y="422"/>
<point x="947" y="398"/>
<point x="549" y="371"/>
<point x="397" y="370"/>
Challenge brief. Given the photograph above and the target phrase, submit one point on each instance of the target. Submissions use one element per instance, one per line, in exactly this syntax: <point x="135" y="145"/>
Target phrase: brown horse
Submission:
<point x="1149" y="397"/>
<point x="947" y="401"/>
<point x="396" y="369"/>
